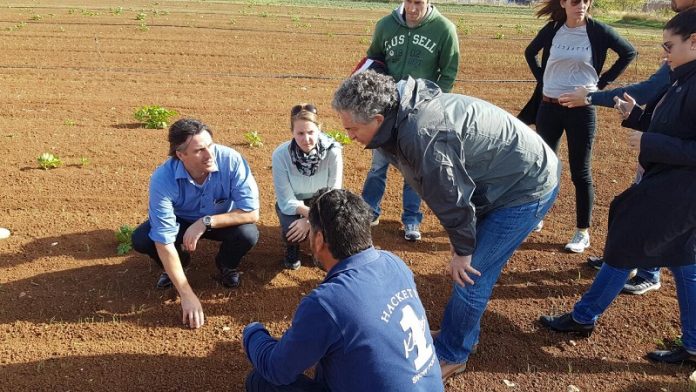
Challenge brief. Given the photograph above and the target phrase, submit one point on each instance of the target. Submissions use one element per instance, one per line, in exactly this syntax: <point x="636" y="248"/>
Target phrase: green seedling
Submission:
<point x="143" y="27"/>
<point x="140" y="16"/>
<point x="124" y="237"/>
<point x="84" y="161"/>
<point x="499" y="36"/>
<point x="339" y="136"/>
<point x="254" y="139"/>
<point x="154" y="117"/>
<point x="36" y="17"/>
<point x="69" y="122"/>
<point x="49" y="161"/>
<point x="117" y="10"/>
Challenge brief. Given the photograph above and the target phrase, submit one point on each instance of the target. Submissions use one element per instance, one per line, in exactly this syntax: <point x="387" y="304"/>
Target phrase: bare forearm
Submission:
<point x="172" y="265"/>
<point x="234" y="218"/>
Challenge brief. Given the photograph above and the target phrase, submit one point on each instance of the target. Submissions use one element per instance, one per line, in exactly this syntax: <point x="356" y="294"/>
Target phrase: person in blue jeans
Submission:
<point x="433" y="54"/>
<point x="653" y="222"/>
<point x="645" y="279"/>
<point x="487" y="177"/>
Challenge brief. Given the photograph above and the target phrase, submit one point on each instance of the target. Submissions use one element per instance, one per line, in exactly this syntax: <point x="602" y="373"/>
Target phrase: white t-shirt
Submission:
<point x="570" y="62"/>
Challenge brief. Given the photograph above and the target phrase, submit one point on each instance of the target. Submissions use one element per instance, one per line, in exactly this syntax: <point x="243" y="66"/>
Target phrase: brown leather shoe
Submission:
<point x="451" y="369"/>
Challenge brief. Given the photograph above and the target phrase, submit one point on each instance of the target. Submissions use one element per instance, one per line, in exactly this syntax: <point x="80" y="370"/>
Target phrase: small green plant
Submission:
<point x="69" y="122"/>
<point x="117" y="10"/>
<point x="124" y="236"/>
<point x="154" y="117"/>
<point x="264" y="14"/>
<point x="254" y="139"/>
<point x="36" y="17"/>
<point x="295" y="18"/>
<point x="140" y="16"/>
<point x="143" y="27"/>
<point x="339" y="136"/>
<point x="84" y="161"/>
<point x="499" y="36"/>
<point x="49" y="161"/>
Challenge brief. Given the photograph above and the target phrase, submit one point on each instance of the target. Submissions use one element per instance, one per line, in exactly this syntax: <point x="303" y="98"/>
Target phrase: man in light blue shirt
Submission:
<point x="203" y="190"/>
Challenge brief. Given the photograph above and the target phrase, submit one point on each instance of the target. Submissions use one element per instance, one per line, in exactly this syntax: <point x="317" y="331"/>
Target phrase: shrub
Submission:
<point x="154" y="117"/>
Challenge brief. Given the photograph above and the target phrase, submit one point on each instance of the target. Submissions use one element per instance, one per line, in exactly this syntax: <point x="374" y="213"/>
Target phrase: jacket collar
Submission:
<point x="684" y="71"/>
<point x="353" y="262"/>
<point x="411" y="94"/>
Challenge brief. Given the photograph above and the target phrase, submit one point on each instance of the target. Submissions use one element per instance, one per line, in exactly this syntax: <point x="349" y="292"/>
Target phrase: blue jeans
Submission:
<point x="609" y="282"/>
<point x="256" y="383"/>
<point x="376" y="183"/>
<point x="649" y="274"/>
<point x="498" y="234"/>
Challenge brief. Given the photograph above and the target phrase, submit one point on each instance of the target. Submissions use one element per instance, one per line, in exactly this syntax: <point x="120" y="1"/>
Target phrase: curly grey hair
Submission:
<point x="365" y="95"/>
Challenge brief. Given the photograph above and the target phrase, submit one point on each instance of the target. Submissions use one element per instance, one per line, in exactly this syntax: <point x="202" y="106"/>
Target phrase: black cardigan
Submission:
<point x="602" y="38"/>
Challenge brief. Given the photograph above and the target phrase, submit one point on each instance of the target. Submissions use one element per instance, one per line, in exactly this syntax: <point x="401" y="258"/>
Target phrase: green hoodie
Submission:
<point x="428" y="51"/>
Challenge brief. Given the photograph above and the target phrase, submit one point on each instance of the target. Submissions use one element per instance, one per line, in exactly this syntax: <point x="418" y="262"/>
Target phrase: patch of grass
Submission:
<point x="154" y="117"/>
<point x="254" y="139"/>
<point x="339" y="136"/>
<point x="124" y="236"/>
<point x="48" y="161"/>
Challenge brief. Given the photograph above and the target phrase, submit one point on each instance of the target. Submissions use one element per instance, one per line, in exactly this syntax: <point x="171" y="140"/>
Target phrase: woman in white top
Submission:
<point x="574" y="48"/>
<point x="308" y="162"/>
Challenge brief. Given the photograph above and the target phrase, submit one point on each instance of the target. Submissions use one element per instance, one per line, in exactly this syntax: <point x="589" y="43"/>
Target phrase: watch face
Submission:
<point x="206" y="220"/>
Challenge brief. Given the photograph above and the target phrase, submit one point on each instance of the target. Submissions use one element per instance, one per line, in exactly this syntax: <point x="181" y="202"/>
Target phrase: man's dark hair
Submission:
<point x="344" y="220"/>
<point x="181" y="131"/>
<point x="683" y="24"/>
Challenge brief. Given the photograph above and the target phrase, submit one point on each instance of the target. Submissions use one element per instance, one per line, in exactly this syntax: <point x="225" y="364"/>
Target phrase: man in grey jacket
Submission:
<point x="488" y="178"/>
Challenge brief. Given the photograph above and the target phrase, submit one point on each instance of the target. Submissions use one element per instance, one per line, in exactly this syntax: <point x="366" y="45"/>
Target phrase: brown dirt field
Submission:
<point x="76" y="316"/>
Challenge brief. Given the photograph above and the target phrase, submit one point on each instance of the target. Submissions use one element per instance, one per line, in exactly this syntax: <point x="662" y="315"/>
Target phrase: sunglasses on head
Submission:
<point x="306" y="107"/>
<point x="576" y="2"/>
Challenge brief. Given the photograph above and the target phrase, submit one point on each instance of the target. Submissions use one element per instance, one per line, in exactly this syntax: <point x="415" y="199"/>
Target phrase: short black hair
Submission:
<point x="343" y="218"/>
<point x="181" y="131"/>
<point x="683" y="24"/>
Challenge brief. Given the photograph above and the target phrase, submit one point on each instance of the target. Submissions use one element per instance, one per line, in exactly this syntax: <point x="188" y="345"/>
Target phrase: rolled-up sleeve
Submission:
<point x="163" y="225"/>
<point x="244" y="191"/>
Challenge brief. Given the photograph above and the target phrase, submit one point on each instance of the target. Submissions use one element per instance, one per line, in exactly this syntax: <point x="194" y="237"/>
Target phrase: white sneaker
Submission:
<point x="539" y="226"/>
<point x="579" y="242"/>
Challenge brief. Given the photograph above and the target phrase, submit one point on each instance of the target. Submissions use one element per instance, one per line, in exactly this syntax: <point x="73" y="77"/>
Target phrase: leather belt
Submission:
<point x="550" y="100"/>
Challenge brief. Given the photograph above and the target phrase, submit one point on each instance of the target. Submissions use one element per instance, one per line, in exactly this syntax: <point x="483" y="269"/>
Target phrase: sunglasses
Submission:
<point x="306" y="107"/>
<point x="667" y="47"/>
<point x="318" y="204"/>
<point x="576" y="2"/>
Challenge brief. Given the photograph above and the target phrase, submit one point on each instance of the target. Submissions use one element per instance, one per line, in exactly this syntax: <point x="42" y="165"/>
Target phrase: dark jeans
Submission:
<point x="256" y="383"/>
<point x="579" y="124"/>
<point x="236" y="242"/>
<point x="285" y="222"/>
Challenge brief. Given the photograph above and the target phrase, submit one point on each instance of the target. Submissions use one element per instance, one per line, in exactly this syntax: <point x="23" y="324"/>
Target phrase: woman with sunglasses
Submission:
<point x="653" y="223"/>
<point x="301" y="166"/>
<point x="574" y="48"/>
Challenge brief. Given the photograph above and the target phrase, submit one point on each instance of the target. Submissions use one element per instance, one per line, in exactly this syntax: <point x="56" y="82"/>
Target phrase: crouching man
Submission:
<point x="364" y="326"/>
<point x="204" y="190"/>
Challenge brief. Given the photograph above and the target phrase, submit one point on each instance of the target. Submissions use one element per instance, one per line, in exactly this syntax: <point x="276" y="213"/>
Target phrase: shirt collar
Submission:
<point x="386" y="130"/>
<point x="355" y="261"/>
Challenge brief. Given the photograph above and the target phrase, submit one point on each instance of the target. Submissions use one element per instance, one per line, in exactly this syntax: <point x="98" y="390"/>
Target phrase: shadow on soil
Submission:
<point x="223" y="369"/>
<point x="103" y="291"/>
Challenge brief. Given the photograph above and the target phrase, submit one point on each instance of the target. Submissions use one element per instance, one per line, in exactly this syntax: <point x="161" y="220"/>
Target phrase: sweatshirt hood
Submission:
<point x="398" y="15"/>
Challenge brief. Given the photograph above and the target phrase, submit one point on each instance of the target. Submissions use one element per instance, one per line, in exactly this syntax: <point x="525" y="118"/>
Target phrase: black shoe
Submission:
<point x="164" y="282"/>
<point x="565" y="323"/>
<point x="292" y="257"/>
<point x="678" y="355"/>
<point x="229" y="277"/>
<point x="595" y="262"/>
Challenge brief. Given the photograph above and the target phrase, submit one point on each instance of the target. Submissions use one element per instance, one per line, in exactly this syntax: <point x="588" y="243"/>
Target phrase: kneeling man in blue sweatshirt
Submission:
<point x="364" y="326"/>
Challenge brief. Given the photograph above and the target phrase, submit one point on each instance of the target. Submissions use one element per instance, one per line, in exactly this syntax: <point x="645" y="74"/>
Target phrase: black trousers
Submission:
<point x="580" y="125"/>
<point x="236" y="241"/>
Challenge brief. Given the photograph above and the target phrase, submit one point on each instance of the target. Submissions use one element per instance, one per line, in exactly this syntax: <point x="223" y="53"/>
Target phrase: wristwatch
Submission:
<point x="588" y="99"/>
<point x="208" y="222"/>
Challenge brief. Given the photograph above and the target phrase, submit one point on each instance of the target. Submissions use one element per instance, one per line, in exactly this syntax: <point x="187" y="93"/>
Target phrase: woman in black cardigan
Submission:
<point x="574" y="48"/>
<point x="653" y="223"/>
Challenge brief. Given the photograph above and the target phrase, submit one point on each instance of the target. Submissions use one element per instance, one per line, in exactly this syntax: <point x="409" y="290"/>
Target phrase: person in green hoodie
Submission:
<point x="414" y="40"/>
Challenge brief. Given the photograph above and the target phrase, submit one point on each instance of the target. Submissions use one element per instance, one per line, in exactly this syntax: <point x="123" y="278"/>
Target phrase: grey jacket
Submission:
<point x="464" y="156"/>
